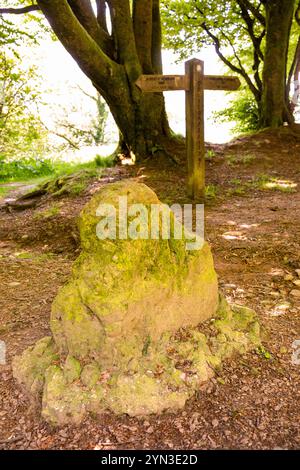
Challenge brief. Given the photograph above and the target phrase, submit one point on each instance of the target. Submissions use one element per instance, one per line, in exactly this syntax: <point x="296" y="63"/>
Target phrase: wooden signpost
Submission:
<point x="194" y="82"/>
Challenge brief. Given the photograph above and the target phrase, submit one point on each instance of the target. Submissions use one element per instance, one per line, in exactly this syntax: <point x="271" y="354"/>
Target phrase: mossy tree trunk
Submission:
<point x="274" y="106"/>
<point x="114" y="61"/>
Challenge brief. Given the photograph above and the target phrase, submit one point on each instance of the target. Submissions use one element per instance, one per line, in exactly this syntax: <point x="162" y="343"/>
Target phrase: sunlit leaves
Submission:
<point x="20" y="127"/>
<point x="186" y="22"/>
<point x="20" y="29"/>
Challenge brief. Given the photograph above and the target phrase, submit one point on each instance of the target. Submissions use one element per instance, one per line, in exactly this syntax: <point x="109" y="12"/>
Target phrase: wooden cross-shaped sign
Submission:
<point x="194" y="82"/>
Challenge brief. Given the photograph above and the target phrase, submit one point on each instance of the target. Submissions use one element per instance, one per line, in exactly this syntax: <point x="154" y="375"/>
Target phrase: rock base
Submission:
<point x="163" y="378"/>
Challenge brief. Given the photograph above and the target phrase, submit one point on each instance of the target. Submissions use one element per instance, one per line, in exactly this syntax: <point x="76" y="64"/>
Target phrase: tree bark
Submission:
<point x="142" y="121"/>
<point x="274" y="108"/>
<point x="114" y="62"/>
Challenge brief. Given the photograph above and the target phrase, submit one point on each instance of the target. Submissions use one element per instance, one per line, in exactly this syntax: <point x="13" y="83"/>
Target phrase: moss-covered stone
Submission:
<point x="127" y="324"/>
<point x="62" y="403"/>
<point x="72" y="369"/>
<point x="29" y="368"/>
<point x="125" y="291"/>
<point x="90" y="375"/>
<point x="140" y="395"/>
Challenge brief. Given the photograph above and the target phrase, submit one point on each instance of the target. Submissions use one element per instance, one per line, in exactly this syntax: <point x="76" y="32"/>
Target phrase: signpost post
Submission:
<point x="194" y="82"/>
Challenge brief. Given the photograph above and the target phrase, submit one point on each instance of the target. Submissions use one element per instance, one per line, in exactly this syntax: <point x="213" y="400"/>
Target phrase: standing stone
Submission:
<point x="125" y="328"/>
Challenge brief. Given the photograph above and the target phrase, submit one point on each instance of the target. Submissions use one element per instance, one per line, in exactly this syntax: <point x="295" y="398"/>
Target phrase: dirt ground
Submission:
<point x="253" y="226"/>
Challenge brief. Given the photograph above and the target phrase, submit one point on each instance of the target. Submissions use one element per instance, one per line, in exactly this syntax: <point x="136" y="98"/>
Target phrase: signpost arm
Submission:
<point x="194" y="70"/>
<point x="194" y="82"/>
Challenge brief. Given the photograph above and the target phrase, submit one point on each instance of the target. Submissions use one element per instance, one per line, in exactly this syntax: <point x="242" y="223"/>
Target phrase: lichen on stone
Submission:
<point x="72" y="369"/>
<point x="90" y="375"/>
<point x="127" y="326"/>
<point x="29" y="368"/>
<point x="62" y="402"/>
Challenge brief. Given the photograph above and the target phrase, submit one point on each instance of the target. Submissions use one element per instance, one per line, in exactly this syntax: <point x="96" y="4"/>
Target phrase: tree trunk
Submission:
<point x="274" y="108"/>
<point x="114" y="62"/>
<point x="144" y="126"/>
<point x="140" y="117"/>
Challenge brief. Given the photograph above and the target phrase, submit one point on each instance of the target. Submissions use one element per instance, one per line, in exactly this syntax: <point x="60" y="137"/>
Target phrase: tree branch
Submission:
<point x="142" y="26"/>
<point x="85" y="14"/>
<point x="295" y="66"/>
<point x="255" y="11"/>
<point x="101" y="14"/>
<point x="240" y="70"/>
<point x="19" y="11"/>
<point x="258" y="56"/>
<point x="297" y="14"/>
<point x="156" y="38"/>
<point x="76" y="40"/>
<point x="124" y="37"/>
<point x="294" y="70"/>
<point x="67" y="139"/>
<point x="256" y="41"/>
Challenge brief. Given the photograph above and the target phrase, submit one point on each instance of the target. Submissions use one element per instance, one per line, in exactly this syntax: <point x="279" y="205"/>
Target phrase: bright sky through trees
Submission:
<point x="62" y="75"/>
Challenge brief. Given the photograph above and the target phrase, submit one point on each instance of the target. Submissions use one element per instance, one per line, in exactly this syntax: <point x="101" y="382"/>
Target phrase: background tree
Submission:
<point x="90" y="131"/>
<point x="20" y="129"/>
<point x="275" y="109"/>
<point x="14" y="33"/>
<point x="252" y="39"/>
<point x="114" y="60"/>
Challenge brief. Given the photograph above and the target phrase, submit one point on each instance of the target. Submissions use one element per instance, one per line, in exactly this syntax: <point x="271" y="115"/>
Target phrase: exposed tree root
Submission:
<point x="72" y="184"/>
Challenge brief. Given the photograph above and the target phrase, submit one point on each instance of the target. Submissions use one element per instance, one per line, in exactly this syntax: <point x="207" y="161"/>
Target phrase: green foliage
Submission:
<point x="14" y="33"/>
<point x="237" y="36"/>
<point x="104" y="162"/>
<point x="52" y="211"/>
<point x="234" y="160"/>
<point x="261" y="182"/>
<point x="88" y="133"/>
<point x="23" y="169"/>
<point x="29" y="168"/>
<point x="72" y="184"/>
<point x="237" y="31"/>
<point x="210" y="155"/>
<point x="178" y="136"/>
<point x="243" y="110"/>
<point x="186" y="25"/>
<point x="261" y="351"/>
<point x="211" y="191"/>
<point x="21" y="131"/>
<point x="99" y="123"/>
<point x="270" y="183"/>
<point x="155" y="149"/>
<point x="4" y="190"/>
<point x="239" y="188"/>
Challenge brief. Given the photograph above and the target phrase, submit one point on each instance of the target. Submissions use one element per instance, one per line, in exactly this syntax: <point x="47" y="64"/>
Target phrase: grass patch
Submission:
<point x="48" y="213"/>
<point x="261" y="183"/>
<point x="4" y="190"/>
<point x="104" y="162"/>
<point x="234" y="160"/>
<point x="264" y="353"/>
<point x="178" y="136"/>
<point x="31" y="168"/>
<point x="239" y="188"/>
<point x="269" y="183"/>
<point x="51" y="176"/>
<point x="24" y="255"/>
<point x="36" y="257"/>
<point x="211" y="191"/>
<point x="72" y="184"/>
<point x="78" y="188"/>
<point x="210" y="155"/>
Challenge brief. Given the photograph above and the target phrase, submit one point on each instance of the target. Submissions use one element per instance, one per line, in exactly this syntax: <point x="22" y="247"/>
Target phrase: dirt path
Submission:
<point x="14" y="190"/>
<point x="253" y="225"/>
